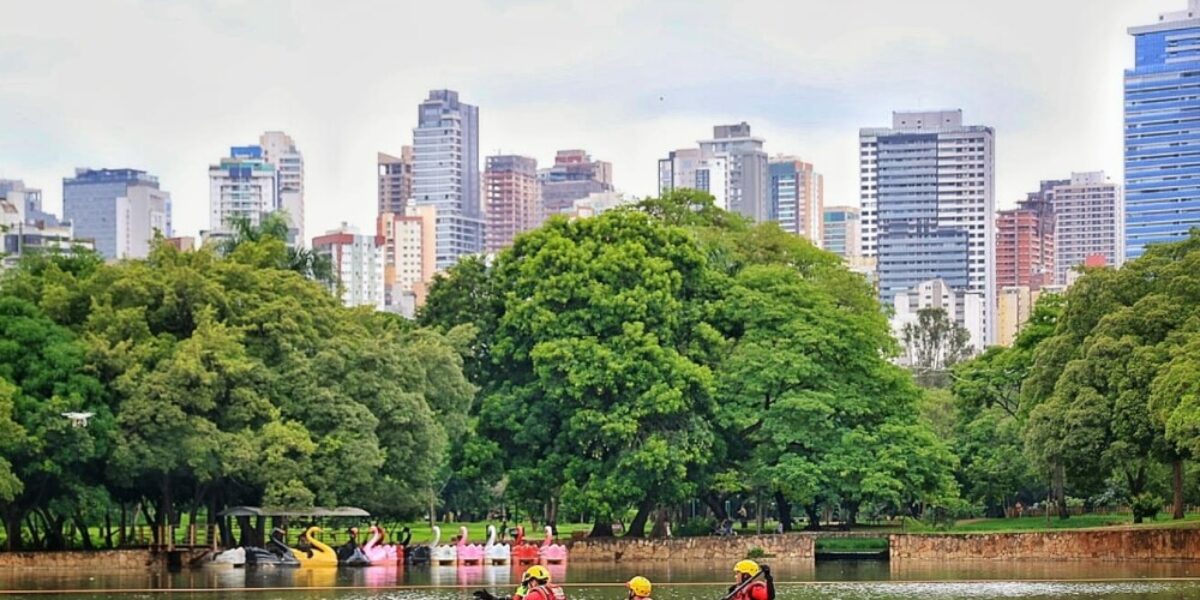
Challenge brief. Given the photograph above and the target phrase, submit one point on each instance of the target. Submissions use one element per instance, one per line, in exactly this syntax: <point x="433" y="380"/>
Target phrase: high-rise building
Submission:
<point x="357" y="265"/>
<point x="797" y="198"/>
<point x="511" y="190"/>
<point x="121" y="210"/>
<point x="395" y="180"/>
<point x="841" y="231"/>
<point x="279" y="149"/>
<point x="573" y="176"/>
<point x="687" y="169"/>
<point x="1162" y="132"/>
<point x="1025" y="243"/>
<point x="241" y="185"/>
<point x="747" y="169"/>
<point x="446" y="173"/>
<point x="409" y="256"/>
<point x="1089" y="211"/>
<point x="928" y="209"/>
<point x="28" y="201"/>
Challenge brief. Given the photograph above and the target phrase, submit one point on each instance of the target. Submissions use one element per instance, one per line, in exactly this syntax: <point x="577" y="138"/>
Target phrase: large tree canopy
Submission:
<point x="216" y="379"/>
<point x="631" y="360"/>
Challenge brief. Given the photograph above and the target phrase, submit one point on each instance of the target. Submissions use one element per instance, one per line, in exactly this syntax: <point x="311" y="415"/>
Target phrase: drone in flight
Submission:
<point x="79" y="419"/>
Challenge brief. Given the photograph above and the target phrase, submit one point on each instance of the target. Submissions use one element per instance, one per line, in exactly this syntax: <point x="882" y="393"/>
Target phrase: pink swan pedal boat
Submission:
<point x="378" y="552"/>
<point x="468" y="554"/>
<point x="550" y="552"/>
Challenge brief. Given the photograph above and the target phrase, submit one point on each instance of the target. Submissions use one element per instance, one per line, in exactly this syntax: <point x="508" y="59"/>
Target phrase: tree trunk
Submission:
<point x="601" y="528"/>
<point x="85" y="535"/>
<point x="851" y="514"/>
<point x="1059" y="486"/>
<point x="121" y="527"/>
<point x="814" y="516"/>
<point x="12" y="529"/>
<point x="717" y="505"/>
<point x="108" y="531"/>
<point x="637" y="527"/>
<point x="661" y="527"/>
<point x="1177" y="486"/>
<point x="785" y="511"/>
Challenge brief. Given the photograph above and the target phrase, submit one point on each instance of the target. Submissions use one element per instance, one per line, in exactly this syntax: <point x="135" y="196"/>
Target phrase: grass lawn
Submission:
<point x="1026" y="524"/>
<point x="851" y="544"/>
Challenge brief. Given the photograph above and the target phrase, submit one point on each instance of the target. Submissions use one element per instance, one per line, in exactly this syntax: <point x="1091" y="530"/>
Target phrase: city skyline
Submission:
<point x="60" y="112"/>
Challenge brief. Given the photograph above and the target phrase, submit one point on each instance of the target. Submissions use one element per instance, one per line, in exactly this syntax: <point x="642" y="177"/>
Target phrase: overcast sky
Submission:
<point x="167" y="86"/>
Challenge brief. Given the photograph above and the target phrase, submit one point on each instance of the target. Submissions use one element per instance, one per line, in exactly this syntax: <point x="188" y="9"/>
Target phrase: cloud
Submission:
<point x="168" y="86"/>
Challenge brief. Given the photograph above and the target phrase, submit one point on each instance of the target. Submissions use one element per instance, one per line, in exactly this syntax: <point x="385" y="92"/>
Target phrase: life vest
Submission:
<point x="546" y="592"/>
<point x="754" y="591"/>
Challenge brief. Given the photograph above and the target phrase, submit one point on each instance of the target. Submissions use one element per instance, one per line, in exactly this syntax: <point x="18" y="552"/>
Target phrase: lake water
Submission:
<point x="827" y="580"/>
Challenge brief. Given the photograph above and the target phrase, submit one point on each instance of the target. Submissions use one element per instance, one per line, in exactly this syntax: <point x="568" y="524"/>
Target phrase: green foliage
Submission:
<point x="934" y="344"/>
<point x="648" y="355"/>
<point x="216" y="380"/>
<point x="756" y="553"/>
<point x="1145" y="505"/>
<point x="1108" y="393"/>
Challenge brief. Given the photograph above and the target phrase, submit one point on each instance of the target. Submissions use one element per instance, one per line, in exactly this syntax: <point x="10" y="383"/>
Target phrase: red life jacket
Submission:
<point x="754" y="591"/>
<point x="546" y="592"/>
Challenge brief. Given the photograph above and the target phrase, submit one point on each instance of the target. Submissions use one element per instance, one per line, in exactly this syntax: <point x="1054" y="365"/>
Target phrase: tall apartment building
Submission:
<point x="928" y="209"/>
<point x="409" y="256"/>
<point x="797" y="198"/>
<point x="1025" y="245"/>
<point x="1089" y="212"/>
<point x="357" y="265"/>
<point x="841" y="231"/>
<point x="120" y="209"/>
<point x="395" y="180"/>
<point x="279" y="149"/>
<point x="511" y="192"/>
<point x="241" y="185"/>
<point x="1162" y="131"/>
<point x="446" y="173"/>
<point x="747" y="169"/>
<point x="573" y="176"/>
<point x="687" y="169"/>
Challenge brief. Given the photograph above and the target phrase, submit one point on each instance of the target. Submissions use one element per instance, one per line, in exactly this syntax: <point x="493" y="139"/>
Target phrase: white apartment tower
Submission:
<point x="241" y="185"/>
<point x="928" y="206"/>
<point x="1089" y="220"/>
<point x="279" y="149"/>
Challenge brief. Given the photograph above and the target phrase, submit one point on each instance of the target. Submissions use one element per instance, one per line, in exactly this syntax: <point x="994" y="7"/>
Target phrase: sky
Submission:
<point x="167" y="86"/>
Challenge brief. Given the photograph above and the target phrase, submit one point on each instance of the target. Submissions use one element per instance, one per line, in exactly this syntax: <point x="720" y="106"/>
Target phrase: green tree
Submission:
<point x="934" y="344"/>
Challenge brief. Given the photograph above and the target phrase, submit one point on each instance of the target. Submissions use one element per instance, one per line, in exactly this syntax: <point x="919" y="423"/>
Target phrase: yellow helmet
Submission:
<point x="640" y="586"/>
<point x="537" y="572"/>
<point x="747" y="567"/>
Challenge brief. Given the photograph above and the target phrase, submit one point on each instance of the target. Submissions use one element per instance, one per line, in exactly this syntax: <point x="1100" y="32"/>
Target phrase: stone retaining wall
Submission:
<point x="99" y="560"/>
<point x="785" y="547"/>
<point x="1119" y="544"/>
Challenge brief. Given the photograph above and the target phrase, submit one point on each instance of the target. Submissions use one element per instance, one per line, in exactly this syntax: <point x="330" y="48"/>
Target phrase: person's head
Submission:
<point x="639" y="587"/>
<point x="745" y="569"/>
<point x="535" y="576"/>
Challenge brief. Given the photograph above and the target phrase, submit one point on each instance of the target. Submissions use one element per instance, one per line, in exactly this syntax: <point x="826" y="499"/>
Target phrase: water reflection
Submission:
<point x="692" y="580"/>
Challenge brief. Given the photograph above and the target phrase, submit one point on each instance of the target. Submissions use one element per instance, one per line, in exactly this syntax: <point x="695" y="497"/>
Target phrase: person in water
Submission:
<point x="746" y="571"/>
<point x="639" y="588"/>
<point x="535" y="585"/>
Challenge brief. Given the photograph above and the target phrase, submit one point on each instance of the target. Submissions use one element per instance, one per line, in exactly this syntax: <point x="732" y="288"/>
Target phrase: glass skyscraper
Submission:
<point x="1162" y="131"/>
<point x="446" y="173"/>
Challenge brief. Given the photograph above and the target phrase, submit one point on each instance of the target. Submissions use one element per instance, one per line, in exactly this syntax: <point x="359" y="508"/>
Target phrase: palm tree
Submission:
<point x="275" y="226"/>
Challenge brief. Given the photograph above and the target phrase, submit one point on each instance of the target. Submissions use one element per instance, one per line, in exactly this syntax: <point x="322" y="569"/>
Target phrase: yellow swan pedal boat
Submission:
<point x="318" y="555"/>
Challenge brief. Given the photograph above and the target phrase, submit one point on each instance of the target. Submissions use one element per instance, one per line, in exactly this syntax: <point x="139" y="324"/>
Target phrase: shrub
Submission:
<point x="696" y="527"/>
<point x="1145" y="505"/>
<point x="756" y="553"/>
